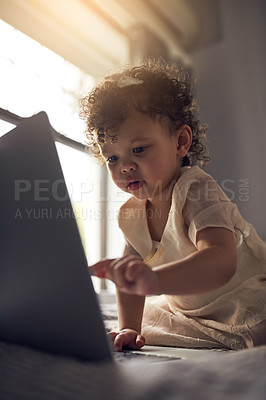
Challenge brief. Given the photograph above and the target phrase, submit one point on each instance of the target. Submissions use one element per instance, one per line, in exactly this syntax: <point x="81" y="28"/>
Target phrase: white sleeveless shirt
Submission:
<point x="225" y="317"/>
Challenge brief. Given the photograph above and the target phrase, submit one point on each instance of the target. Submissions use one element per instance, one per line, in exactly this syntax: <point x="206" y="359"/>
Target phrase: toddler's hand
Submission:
<point x="129" y="273"/>
<point x="126" y="338"/>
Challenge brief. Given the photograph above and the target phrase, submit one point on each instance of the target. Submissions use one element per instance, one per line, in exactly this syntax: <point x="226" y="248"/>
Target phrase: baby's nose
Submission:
<point x="128" y="166"/>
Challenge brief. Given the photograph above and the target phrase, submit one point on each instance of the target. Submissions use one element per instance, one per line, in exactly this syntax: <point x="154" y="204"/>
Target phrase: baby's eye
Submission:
<point x="112" y="159"/>
<point x="138" y="150"/>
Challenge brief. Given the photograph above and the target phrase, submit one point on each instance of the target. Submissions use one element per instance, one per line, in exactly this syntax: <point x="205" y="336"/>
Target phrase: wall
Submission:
<point x="231" y="94"/>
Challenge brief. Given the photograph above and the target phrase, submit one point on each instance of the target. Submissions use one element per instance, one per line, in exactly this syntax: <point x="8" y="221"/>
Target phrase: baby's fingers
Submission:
<point x="111" y="336"/>
<point x="97" y="270"/>
<point x="117" y="271"/>
<point x="119" y="341"/>
<point x="100" y="269"/>
<point x="133" y="271"/>
<point x="128" y="338"/>
<point x="140" y="341"/>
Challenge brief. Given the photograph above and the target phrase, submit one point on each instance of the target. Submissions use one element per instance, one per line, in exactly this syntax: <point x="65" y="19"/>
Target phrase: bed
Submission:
<point x="30" y="374"/>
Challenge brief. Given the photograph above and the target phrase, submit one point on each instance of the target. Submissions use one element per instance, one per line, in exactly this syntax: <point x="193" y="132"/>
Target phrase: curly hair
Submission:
<point x="158" y="90"/>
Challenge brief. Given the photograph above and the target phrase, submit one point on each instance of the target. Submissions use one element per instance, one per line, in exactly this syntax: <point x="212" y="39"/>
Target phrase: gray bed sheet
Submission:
<point x="30" y="374"/>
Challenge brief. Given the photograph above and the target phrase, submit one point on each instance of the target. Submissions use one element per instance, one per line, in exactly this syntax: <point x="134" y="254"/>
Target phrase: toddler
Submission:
<point x="186" y="244"/>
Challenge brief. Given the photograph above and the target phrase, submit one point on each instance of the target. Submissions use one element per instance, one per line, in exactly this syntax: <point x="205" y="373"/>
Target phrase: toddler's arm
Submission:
<point x="130" y="307"/>
<point x="130" y="310"/>
<point x="207" y="269"/>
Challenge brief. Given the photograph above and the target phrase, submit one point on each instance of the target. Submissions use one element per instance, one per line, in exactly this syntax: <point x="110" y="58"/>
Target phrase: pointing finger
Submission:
<point x="100" y="268"/>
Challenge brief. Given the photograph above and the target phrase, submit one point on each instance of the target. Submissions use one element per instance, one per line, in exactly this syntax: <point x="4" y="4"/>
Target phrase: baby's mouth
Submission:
<point x="134" y="185"/>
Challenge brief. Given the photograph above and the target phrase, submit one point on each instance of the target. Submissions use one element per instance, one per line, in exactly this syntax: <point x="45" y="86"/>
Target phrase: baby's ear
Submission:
<point x="184" y="139"/>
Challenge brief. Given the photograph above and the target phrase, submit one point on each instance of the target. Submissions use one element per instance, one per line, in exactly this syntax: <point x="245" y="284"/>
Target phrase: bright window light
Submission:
<point x="5" y="127"/>
<point x="35" y="79"/>
<point x="83" y="183"/>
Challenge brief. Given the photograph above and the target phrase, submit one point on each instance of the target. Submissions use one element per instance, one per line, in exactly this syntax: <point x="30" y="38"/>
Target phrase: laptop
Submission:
<point x="47" y="299"/>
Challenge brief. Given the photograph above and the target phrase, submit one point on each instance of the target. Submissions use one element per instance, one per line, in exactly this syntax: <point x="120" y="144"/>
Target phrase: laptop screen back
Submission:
<point x="47" y="299"/>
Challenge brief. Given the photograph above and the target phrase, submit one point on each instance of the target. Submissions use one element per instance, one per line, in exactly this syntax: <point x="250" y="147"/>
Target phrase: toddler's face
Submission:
<point x="141" y="158"/>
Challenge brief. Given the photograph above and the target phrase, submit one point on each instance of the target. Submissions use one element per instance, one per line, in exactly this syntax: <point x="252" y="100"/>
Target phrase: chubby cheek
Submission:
<point x="163" y="171"/>
<point x="154" y="169"/>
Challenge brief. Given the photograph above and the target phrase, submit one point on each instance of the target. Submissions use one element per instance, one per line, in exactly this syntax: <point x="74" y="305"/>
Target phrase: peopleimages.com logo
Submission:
<point x="41" y="189"/>
<point x="236" y="190"/>
<point x="44" y="190"/>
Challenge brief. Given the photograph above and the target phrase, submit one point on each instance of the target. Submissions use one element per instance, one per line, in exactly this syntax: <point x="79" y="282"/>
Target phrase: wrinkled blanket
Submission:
<point x="29" y="374"/>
